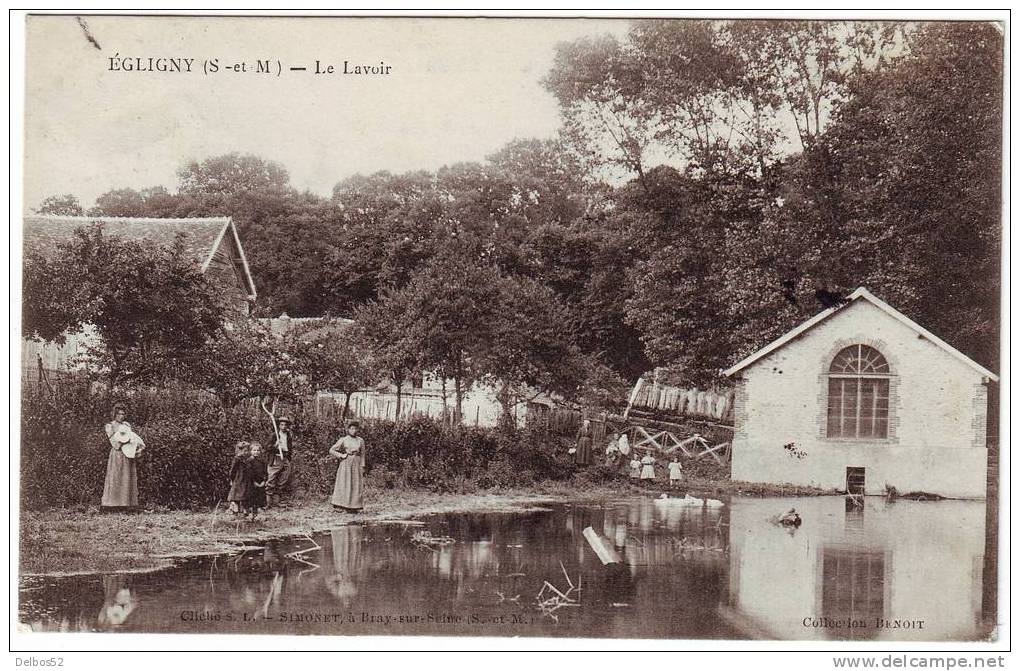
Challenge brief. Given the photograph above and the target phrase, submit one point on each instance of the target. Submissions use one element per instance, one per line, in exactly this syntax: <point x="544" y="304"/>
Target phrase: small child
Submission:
<point x="238" y="478"/>
<point x="257" y="476"/>
<point x="612" y="450"/>
<point x="648" y="467"/>
<point x="635" y="469"/>
<point x="676" y="472"/>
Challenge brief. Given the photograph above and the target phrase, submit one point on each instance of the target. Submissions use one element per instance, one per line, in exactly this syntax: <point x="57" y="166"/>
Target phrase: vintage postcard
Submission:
<point x="671" y="328"/>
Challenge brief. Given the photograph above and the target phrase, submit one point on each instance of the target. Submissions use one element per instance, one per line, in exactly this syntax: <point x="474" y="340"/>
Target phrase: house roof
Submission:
<point x="202" y="236"/>
<point x="860" y="294"/>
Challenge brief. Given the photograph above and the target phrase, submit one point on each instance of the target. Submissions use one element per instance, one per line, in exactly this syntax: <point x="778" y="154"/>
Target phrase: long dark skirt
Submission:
<point x="347" y="491"/>
<point x="256" y="500"/>
<point x="121" y="487"/>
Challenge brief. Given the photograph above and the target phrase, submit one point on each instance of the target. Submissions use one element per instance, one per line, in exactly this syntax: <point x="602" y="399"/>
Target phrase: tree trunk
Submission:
<point x="506" y="401"/>
<point x="458" y="395"/>
<point x="347" y="406"/>
<point x="446" y="408"/>
<point x="399" y="380"/>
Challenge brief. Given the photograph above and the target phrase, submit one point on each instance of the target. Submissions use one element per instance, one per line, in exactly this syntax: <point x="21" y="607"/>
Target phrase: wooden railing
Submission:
<point x="668" y="443"/>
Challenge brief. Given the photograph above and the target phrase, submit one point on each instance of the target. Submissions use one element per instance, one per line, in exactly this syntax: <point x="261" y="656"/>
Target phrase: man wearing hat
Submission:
<point x="281" y="450"/>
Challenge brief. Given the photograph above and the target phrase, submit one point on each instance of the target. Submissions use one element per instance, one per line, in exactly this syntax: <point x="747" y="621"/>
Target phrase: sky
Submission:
<point x="458" y="90"/>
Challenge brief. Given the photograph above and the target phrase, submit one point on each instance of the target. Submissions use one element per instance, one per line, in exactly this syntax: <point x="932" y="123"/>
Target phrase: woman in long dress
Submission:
<point x="350" y="450"/>
<point x="582" y="457"/>
<point x="120" y="490"/>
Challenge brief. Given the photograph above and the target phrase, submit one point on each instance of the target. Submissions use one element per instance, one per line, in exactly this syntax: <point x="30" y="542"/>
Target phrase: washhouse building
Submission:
<point x="861" y="398"/>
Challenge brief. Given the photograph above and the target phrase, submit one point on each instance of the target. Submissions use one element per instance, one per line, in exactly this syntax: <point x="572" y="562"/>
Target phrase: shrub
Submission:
<point x="189" y="439"/>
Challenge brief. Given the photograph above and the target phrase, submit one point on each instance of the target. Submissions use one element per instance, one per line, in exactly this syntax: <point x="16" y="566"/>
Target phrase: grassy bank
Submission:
<point x="81" y="539"/>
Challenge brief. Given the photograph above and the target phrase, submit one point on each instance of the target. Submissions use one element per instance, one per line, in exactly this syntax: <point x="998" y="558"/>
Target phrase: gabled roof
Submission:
<point x="202" y="236"/>
<point x="861" y="294"/>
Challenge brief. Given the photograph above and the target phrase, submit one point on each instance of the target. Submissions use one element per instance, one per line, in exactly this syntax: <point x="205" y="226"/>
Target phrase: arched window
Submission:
<point x="858" y="394"/>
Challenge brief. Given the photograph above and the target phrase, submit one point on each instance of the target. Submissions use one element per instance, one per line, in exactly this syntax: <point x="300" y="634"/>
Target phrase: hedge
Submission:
<point x="190" y="438"/>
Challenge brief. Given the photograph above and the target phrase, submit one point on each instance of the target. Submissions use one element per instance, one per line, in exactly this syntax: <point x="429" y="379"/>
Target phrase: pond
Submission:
<point x="900" y="570"/>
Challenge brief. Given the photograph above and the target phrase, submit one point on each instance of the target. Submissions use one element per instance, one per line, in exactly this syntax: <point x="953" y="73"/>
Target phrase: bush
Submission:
<point x="189" y="439"/>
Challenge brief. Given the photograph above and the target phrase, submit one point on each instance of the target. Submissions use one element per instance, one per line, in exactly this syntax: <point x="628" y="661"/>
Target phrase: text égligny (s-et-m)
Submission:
<point x="173" y="65"/>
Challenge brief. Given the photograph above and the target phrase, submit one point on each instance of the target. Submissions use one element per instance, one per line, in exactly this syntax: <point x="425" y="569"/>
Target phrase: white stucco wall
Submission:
<point x="937" y="413"/>
<point x="480" y="407"/>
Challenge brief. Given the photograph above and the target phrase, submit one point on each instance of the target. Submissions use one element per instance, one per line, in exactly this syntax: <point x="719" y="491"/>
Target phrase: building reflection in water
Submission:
<point x="848" y="572"/>
<point x="688" y="571"/>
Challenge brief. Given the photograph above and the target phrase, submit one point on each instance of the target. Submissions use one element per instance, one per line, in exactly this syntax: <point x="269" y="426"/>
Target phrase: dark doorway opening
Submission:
<point x="855" y="480"/>
<point x="854" y="486"/>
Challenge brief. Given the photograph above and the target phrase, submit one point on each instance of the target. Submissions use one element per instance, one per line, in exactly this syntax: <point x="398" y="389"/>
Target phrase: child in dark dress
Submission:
<point x="257" y="475"/>
<point x="239" y="484"/>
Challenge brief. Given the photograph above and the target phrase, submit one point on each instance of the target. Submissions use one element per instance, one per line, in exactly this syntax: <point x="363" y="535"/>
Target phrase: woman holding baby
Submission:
<point x="347" y="490"/>
<point x="120" y="491"/>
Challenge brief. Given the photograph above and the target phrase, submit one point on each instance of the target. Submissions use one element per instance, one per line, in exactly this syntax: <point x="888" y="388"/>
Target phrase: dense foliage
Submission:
<point x="150" y="306"/>
<point x="762" y="170"/>
<point x="190" y="439"/>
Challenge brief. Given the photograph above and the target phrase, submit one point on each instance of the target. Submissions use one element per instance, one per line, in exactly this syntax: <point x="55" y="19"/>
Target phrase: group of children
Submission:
<point x="641" y="468"/>
<point x="248" y="476"/>
<point x="644" y="469"/>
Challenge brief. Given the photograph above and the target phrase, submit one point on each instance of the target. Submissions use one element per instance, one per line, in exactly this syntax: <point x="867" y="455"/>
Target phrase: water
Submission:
<point x="890" y="571"/>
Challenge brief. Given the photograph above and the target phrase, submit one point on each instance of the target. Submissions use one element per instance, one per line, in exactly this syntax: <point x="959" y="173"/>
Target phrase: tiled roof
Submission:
<point x="42" y="233"/>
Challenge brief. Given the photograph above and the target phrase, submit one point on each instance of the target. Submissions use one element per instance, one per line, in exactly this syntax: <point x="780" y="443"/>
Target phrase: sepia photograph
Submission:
<point x="663" y="328"/>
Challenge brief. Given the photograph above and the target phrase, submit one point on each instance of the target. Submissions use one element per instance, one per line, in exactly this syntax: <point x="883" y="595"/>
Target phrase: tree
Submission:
<point x="452" y="302"/>
<point x="230" y="174"/>
<point x="531" y="351"/>
<point x="150" y="305"/>
<point x="709" y="96"/>
<point x="154" y="201"/>
<point x="120" y="203"/>
<point x="602" y="389"/>
<point x="588" y="269"/>
<point x="689" y="82"/>
<point x="287" y="234"/>
<point x="66" y="204"/>
<point x="546" y="181"/>
<point x="245" y="361"/>
<point x="385" y="227"/>
<point x="598" y="86"/>
<point x="396" y="341"/>
<point x="333" y="357"/>
<point x="902" y="192"/>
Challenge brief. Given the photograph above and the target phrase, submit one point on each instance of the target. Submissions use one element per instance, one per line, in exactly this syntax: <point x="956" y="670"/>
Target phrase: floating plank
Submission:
<point x="604" y="551"/>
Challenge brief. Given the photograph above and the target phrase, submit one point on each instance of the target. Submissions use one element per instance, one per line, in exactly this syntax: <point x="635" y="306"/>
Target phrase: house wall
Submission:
<point x="56" y="359"/>
<point x="224" y="271"/>
<point x="479" y="407"/>
<point x="937" y="413"/>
